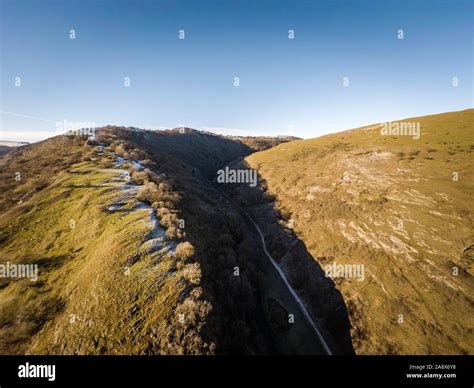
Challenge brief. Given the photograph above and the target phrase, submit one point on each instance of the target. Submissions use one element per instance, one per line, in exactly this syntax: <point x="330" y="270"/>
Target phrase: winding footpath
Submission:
<point x="322" y="341"/>
<point x="293" y="293"/>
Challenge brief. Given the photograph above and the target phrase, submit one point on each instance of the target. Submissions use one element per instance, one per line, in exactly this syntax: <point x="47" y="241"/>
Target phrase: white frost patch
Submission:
<point x="114" y="207"/>
<point x="155" y="240"/>
<point x="138" y="165"/>
<point x="119" y="161"/>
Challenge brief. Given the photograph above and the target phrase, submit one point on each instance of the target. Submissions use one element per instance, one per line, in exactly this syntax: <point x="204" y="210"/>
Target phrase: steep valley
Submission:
<point x="141" y="250"/>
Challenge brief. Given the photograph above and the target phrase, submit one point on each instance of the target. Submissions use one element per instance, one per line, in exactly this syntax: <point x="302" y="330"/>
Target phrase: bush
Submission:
<point x="121" y="151"/>
<point x="192" y="273"/>
<point x="147" y="163"/>
<point x="185" y="250"/>
<point x="148" y="193"/>
<point x="139" y="177"/>
<point x="134" y="155"/>
<point x="162" y="194"/>
<point x="173" y="233"/>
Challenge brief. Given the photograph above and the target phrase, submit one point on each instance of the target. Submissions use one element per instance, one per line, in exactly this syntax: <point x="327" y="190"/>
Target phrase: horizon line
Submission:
<point x="45" y="135"/>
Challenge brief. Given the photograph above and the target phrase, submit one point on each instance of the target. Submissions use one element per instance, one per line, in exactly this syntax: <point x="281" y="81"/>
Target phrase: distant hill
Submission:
<point x="401" y="205"/>
<point x="7" y="146"/>
<point x="9" y="143"/>
<point x="4" y="150"/>
<point x="262" y="143"/>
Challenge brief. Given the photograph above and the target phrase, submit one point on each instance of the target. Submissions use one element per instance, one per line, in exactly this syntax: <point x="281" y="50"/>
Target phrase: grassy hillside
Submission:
<point x="100" y="290"/>
<point x="135" y="248"/>
<point x="402" y="207"/>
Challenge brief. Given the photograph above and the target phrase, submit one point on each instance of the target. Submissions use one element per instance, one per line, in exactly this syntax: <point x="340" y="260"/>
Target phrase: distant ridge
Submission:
<point x="9" y="143"/>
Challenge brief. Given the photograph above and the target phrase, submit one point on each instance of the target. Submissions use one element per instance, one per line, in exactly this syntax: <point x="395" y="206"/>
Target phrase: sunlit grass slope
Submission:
<point x="401" y="206"/>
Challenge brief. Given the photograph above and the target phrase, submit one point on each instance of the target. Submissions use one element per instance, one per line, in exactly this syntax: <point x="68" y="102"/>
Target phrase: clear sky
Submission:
<point x="287" y="86"/>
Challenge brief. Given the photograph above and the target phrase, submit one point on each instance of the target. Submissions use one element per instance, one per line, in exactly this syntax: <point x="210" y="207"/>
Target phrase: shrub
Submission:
<point x="148" y="193"/>
<point x="185" y="250"/>
<point x="192" y="273"/>
<point x="139" y="177"/>
<point x="134" y="155"/>
<point x="169" y="219"/>
<point x="173" y="233"/>
<point x="121" y="151"/>
<point x="147" y="163"/>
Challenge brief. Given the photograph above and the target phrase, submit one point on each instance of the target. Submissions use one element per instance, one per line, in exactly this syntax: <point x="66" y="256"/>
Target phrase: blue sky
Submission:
<point x="286" y="86"/>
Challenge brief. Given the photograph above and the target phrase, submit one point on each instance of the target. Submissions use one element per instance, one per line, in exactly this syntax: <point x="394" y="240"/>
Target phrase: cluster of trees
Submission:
<point x="126" y="151"/>
<point x="155" y="190"/>
<point x="164" y="200"/>
<point x="182" y="333"/>
<point x="220" y="303"/>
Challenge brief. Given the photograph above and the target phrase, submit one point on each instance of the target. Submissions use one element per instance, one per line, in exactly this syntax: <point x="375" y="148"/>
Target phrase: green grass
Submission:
<point x="82" y="274"/>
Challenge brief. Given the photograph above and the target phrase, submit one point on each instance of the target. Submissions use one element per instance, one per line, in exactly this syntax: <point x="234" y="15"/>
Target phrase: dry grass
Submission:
<point x="347" y="193"/>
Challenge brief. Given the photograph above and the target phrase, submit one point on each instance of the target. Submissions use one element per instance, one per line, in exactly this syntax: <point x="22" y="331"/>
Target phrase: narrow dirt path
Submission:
<point x="323" y="343"/>
<point x="295" y="296"/>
